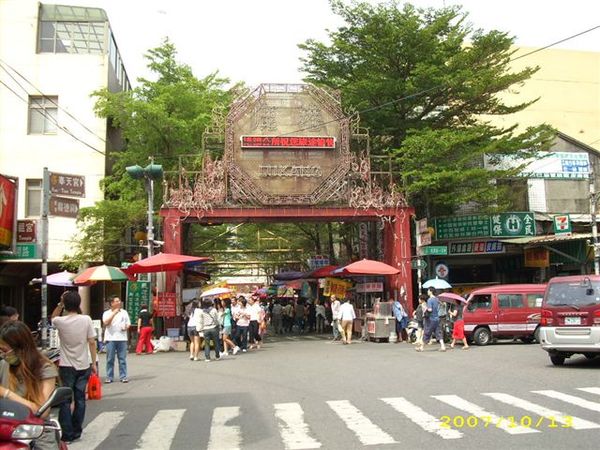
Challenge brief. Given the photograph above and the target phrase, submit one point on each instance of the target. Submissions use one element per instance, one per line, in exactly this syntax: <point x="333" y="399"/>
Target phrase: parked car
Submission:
<point x="504" y="311"/>
<point x="571" y="317"/>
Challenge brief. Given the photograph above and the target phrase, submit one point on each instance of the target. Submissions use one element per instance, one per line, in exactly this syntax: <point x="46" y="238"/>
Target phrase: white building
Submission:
<point x="52" y="57"/>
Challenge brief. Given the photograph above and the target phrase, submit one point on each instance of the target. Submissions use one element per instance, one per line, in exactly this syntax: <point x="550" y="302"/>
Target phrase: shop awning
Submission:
<point x="546" y="239"/>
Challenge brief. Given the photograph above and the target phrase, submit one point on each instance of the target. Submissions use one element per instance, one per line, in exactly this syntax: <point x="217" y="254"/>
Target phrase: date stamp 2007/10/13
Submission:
<point x="509" y="421"/>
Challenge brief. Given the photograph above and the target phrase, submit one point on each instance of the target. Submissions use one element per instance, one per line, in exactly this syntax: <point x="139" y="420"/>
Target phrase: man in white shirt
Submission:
<point x="77" y="360"/>
<point x="116" y="322"/>
<point x="335" y="317"/>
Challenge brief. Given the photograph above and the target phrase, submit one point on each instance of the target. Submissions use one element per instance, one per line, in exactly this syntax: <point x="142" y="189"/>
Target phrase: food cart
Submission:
<point x="380" y="322"/>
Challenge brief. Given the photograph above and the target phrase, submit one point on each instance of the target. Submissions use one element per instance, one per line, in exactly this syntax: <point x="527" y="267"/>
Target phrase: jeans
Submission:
<point x="432" y="328"/>
<point x="72" y="422"/>
<point x="335" y="328"/>
<point x="212" y="333"/>
<point x="243" y="337"/>
<point x="120" y="348"/>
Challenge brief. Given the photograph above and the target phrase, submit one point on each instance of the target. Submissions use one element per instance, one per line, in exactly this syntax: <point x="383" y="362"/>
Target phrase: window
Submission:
<point x="535" y="300"/>
<point x="480" y="302"/>
<point x="33" y="198"/>
<point x="71" y="29"/>
<point x="510" y="300"/>
<point x="43" y="113"/>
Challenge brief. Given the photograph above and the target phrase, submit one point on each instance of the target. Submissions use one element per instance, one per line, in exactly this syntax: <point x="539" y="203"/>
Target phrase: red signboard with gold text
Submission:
<point x="8" y="191"/>
<point x="309" y="142"/>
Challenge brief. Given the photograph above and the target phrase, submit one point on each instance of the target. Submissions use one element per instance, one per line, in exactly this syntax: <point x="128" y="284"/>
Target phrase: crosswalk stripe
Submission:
<point x="549" y="414"/>
<point x="366" y="431"/>
<point x="591" y="390"/>
<point x="294" y="431"/>
<point x="160" y="432"/>
<point x="578" y="401"/>
<point x="223" y="436"/>
<point x="490" y="418"/>
<point x="424" y="420"/>
<point x="98" y="429"/>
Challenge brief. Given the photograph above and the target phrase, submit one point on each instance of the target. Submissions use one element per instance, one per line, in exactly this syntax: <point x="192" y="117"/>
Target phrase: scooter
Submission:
<point x="20" y="427"/>
<point x="411" y="330"/>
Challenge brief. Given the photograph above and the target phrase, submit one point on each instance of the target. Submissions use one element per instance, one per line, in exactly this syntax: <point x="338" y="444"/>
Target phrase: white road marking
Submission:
<point x="98" y="430"/>
<point x="295" y="433"/>
<point x="223" y="436"/>
<point x="549" y="414"/>
<point x="425" y="420"/>
<point x="578" y="401"/>
<point x="591" y="390"/>
<point x="491" y="419"/>
<point x="366" y="431"/>
<point x="160" y="432"/>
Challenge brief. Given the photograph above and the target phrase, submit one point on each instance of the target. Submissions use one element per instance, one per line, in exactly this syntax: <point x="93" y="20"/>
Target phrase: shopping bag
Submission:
<point x="94" y="387"/>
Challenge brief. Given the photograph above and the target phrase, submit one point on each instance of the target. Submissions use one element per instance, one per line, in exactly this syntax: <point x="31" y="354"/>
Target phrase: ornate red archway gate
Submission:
<point x="289" y="154"/>
<point x="396" y="231"/>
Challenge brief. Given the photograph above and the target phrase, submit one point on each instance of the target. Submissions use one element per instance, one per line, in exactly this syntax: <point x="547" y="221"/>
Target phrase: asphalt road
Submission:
<point x="307" y="392"/>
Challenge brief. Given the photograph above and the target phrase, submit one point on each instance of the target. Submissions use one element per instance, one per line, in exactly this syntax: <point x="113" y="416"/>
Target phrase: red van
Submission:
<point x="504" y="311"/>
<point x="571" y="317"/>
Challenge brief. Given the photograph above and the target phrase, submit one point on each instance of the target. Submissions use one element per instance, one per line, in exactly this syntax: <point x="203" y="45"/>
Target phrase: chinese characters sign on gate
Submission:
<point x="514" y="224"/>
<point x="166" y="305"/>
<point x="138" y="294"/>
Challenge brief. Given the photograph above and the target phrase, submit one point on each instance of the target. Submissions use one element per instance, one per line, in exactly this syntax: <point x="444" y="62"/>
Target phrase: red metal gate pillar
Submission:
<point x="173" y="232"/>
<point x="396" y="249"/>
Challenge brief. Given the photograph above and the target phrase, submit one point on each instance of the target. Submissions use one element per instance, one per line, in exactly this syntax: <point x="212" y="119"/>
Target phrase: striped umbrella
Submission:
<point x="100" y="273"/>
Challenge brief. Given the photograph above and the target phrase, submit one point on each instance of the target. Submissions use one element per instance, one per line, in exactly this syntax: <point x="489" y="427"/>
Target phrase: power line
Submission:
<point x="49" y="98"/>
<point x="44" y="113"/>
<point x="556" y="43"/>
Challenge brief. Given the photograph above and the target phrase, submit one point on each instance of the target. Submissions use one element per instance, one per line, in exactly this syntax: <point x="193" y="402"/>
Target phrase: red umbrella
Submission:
<point x="164" y="262"/>
<point x="322" y="272"/>
<point x="367" y="267"/>
<point x="450" y="297"/>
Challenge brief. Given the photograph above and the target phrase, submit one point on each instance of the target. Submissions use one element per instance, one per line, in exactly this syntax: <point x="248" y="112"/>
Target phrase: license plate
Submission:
<point x="572" y="320"/>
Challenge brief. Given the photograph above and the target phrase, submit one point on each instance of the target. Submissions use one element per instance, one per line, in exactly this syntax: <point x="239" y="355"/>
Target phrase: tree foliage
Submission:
<point x="424" y="80"/>
<point x="163" y="119"/>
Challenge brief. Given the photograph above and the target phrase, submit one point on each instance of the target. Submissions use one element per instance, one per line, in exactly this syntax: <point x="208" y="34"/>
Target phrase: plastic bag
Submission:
<point x="94" y="387"/>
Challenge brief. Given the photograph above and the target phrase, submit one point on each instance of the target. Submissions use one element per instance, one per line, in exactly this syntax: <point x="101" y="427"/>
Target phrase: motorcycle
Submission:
<point x="20" y="427"/>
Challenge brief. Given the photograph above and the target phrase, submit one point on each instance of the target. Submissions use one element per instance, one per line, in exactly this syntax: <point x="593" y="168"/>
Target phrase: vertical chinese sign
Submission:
<point x="8" y="207"/>
<point x="138" y="294"/>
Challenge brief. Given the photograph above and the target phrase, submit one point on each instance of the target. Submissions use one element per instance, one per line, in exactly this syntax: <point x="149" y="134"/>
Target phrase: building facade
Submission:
<point x="52" y="57"/>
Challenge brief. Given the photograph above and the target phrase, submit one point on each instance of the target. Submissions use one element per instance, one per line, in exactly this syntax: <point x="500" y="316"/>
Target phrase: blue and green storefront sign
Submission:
<point x="504" y="225"/>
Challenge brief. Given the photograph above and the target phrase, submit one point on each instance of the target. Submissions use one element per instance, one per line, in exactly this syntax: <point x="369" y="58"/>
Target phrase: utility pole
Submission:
<point x="44" y="245"/>
<point x="595" y="244"/>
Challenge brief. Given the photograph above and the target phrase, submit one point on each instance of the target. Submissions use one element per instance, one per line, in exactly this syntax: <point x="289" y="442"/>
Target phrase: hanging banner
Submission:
<point x="337" y="287"/>
<point x="537" y="257"/>
<point x="138" y="294"/>
<point x="8" y="207"/>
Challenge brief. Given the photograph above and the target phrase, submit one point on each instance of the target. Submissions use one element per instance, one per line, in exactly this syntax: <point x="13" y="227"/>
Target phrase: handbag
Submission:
<point x="94" y="388"/>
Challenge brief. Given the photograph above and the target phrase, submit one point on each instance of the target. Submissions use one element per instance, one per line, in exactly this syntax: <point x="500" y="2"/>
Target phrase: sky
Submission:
<point x="256" y="41"/>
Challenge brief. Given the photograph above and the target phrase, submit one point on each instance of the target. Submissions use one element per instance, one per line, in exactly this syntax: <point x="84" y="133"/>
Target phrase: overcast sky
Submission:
<point x="256" y="40"/>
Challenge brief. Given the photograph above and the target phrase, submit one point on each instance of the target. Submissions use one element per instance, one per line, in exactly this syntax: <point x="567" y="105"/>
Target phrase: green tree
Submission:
<point x="425" y="80"/>
<point x="163" y="119"/>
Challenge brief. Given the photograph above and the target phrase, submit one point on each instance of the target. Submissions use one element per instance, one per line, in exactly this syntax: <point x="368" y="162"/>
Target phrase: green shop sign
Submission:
<point x="138" y="293"/>
<point x="513" y="224"/>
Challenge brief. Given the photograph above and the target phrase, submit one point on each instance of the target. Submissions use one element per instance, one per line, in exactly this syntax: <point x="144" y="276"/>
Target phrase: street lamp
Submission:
<point x="149" y="173"/>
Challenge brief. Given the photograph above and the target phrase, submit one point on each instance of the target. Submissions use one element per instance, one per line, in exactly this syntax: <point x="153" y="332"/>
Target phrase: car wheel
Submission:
<point x="536" y="335"/>
<point x="558" y="359"/>
<point x="482" y="336"/>
<point x="591" y="355"/>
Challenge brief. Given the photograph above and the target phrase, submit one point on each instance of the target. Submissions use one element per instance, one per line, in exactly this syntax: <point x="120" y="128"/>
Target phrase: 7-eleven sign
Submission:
<point x="562" y="224"/>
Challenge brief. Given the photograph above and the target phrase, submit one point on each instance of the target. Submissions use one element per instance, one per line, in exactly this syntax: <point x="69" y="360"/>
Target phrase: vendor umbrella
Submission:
<point x="164" y="262"/>
<point x="367" y="267"/>
<point x="216" y="291"/>
<point x="100" y="273"/>
<point x="450" y="297"/>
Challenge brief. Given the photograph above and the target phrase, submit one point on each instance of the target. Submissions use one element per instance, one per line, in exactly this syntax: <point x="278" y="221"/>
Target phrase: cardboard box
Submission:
<point x="180" y="346"/>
